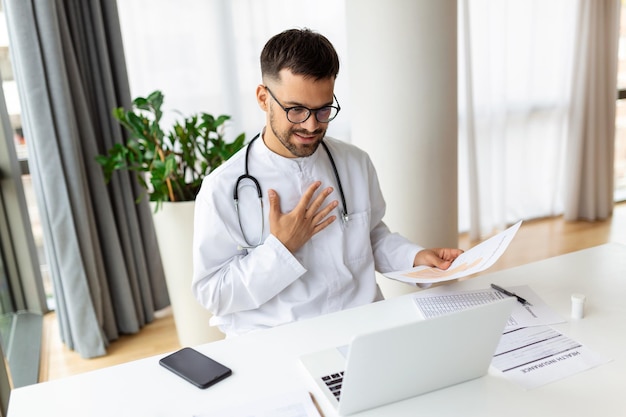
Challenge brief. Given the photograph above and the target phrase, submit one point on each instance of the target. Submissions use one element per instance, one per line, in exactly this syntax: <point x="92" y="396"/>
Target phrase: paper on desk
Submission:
<point x="291" y="404"/>
<point x="530" y="352"/>
<point x="534" y="356"/>
<point x="440" y="301"/>
<point x="476" y="259"/>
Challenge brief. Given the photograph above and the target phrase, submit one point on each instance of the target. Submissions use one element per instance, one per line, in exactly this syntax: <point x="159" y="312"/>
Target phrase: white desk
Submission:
<point x="267" y="362"/>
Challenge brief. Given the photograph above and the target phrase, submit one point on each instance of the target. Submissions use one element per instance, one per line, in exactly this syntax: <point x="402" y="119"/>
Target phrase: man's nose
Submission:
<point x="311" y="124"/>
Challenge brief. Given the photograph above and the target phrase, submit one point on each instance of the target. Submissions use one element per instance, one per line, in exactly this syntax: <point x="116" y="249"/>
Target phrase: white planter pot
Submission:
<point x="174" y="229"/>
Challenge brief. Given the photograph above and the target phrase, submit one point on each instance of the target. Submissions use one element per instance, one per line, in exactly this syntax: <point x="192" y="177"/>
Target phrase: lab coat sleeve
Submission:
<point x="228" y="280"/>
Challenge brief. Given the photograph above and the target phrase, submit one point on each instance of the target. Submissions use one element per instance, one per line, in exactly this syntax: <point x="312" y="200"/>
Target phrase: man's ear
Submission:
<point x="262" y="97"/>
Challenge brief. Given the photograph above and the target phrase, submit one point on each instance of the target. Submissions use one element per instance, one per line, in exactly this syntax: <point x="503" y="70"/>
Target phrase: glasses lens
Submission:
<point x="301" y="114"/>
<point x="326" y="114"/>
<point x="298" y="114"/>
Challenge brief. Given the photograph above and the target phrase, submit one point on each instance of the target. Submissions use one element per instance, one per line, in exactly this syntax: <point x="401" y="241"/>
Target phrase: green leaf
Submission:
<point x="182" y="154"/>
<point x="141" y="103"/>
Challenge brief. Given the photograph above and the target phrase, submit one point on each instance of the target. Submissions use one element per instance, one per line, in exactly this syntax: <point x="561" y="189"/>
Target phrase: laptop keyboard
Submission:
<point x="333" y="382"/>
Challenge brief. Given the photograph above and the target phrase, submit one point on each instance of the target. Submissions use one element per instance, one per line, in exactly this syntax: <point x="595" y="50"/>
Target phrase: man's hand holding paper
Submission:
<point x="474" y="260"/>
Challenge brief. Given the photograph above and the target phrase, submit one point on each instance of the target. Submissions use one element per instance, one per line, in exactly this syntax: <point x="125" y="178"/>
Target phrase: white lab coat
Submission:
<point x="268" y="285"/>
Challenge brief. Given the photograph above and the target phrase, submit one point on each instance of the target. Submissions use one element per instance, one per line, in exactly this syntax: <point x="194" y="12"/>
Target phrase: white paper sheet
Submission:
<point x="476" y="259"/>
<point x="535" y="356"/>
<point x="537" y="313"/>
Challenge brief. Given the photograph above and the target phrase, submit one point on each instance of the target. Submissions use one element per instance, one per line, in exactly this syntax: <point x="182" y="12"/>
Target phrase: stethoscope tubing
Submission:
<point x="246" y="176"/>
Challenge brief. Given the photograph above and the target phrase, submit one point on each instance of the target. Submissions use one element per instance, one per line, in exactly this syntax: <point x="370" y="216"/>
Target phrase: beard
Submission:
<point x="299" y="150"/>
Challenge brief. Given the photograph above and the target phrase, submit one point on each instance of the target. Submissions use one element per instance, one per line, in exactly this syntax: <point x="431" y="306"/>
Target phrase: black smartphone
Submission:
<point x="195" y="367"/>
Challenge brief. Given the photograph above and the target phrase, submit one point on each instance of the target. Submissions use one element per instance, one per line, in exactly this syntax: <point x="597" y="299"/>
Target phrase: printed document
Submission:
<point x="534" y="356"/>
<point x="476" y="259"/>
<point x="440" y="301"/>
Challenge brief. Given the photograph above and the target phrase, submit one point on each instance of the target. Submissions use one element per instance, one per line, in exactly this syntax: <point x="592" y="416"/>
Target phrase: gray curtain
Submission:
<point x="101" y="246"/>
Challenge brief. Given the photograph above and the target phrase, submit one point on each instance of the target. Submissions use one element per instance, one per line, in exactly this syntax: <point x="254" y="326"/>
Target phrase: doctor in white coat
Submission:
<point x="291" y="227"/>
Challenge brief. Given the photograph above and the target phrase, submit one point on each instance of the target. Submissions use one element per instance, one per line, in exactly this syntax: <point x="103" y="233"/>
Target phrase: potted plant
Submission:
<point x="170" y="165"/>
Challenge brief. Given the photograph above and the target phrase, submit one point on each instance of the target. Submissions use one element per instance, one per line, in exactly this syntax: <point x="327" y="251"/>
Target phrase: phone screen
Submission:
<point x="195" y="367"/>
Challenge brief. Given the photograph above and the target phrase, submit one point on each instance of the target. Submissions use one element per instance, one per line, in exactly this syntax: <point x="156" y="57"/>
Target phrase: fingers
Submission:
<point x="441" y="263"/>
<point x="295" y="228"/>
<point x="327" y="221"/>
<point x="303" y="205"/>
<point x="274" y="204"/>
<point x="308" y="209"/>
<point x="441" y="258"/>
<point x="315" y="206"/>
<point x="448" y="254"/>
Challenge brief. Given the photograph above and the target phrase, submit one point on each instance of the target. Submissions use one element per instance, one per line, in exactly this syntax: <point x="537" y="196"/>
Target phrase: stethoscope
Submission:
<point x="247" y="176"/>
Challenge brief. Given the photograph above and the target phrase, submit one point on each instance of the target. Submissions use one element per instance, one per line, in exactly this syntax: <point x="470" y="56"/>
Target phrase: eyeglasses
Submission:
<point x="300" y="114"/>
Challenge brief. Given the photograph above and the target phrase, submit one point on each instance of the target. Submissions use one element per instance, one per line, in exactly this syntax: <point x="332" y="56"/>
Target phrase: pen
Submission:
<point x="509" y="293"/>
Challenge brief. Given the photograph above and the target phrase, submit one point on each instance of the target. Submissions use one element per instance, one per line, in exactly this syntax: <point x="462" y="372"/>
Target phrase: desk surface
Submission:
<point x="265" y="363"/>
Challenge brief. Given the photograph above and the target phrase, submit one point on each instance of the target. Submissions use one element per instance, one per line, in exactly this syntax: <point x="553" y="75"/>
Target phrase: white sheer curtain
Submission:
<point x="591" y="135"/>
<point x="514" y="84"/>
<point x="204" y="54"/>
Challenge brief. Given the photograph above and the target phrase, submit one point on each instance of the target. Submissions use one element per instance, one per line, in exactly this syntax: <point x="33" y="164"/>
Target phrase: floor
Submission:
<point x="535" y="240"/>
<point x="58" y="361"/>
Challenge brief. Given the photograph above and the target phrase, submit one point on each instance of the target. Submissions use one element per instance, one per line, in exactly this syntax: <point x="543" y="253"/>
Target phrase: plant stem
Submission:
<point x="167" y="180"/>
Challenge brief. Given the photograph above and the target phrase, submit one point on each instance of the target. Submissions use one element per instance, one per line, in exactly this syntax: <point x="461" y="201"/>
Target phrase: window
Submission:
<point x="12" y="101"/>
<point x="21" y="294"/>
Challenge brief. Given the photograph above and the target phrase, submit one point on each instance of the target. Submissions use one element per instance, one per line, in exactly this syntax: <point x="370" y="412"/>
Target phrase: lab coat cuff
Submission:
<point x="283" y="253"/>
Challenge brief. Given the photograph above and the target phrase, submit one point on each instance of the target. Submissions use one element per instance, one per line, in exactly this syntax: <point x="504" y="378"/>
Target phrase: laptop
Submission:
<point x="400" y="362"/>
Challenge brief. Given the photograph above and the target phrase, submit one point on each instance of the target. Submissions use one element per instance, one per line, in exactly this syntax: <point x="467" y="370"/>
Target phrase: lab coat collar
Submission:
<point x="288" y="164"/>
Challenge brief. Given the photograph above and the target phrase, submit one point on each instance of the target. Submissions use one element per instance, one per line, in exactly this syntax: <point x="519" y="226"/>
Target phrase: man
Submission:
<point x="315" y="247"/>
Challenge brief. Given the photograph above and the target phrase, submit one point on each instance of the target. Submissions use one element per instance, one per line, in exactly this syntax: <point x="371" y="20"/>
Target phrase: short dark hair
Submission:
<point x="303" y="52"/>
